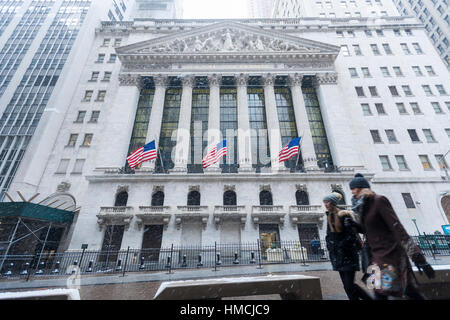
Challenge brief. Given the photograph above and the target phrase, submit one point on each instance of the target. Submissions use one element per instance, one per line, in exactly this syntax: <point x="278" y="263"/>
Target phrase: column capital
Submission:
<point x="127" y="79"/>
<point x="326" y="78"/>
<point x="161" y="80"/>
<point x="242" y="80"/>
<point x="215" y="80"/>
<point x="268" y="79"/>
<point x="295" y="79"/>
<point x="188" y="81"/>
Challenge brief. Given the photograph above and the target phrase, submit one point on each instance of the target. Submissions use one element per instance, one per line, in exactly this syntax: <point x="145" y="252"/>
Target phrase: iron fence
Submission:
<point x="257" y="253"/>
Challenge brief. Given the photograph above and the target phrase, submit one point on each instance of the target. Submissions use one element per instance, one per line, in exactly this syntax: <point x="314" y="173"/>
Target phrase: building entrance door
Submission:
<point x="269" y="235"/>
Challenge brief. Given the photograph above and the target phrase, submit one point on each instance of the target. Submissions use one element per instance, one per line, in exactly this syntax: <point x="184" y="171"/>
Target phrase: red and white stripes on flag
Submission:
<point x="289" y="150"/>
<point x="215" y="154"/>
<point x="142" y="154"/>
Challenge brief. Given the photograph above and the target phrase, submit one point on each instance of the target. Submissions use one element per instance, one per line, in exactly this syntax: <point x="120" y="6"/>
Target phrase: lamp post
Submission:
<point x="414" y="220"/>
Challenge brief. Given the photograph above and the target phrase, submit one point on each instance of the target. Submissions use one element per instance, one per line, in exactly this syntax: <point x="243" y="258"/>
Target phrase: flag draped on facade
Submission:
<point x="289" y="150"/>
<point x="215" y="154"/>
<point x="142" y="154"/>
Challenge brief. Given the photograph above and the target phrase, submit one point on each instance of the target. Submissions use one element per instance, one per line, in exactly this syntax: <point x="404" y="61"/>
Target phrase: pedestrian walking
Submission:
<point x="390" y="245"/>
<point x="343" y="245"/>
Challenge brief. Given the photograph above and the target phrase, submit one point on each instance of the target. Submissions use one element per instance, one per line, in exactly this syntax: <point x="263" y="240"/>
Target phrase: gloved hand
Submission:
<point x="349" y="222"/>
<point x="427" y="268"/>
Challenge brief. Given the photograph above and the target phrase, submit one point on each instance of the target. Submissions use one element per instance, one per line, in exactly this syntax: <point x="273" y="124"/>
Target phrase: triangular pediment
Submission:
<point x="227" y="37"/>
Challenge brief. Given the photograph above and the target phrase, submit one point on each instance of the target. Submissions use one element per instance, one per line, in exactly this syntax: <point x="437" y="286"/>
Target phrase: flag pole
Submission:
<point x="161" y="159"/>
<point x="298" y="150"/>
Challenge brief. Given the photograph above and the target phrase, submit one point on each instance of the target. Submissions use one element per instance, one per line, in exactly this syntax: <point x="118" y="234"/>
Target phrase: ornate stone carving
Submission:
<point x="229" y="188"/>
<point x="241" y="80"/>
<point x="326" y="78"/>
<point x="336" y="187"/>
<point x="301" y="187"/>
<point x="265" y="187"/>
<point x="229" y="40"/>
<point x="160" y="80"/>
<point x="121" y="188"/>
<point x="296" y="79"/>
<point x="194" y="188"/>
<point x="63" y="187"/>
<point x="214" y="80"/>
<point x="268" y="79"/>
<point x="158" y="188"/>
<point x="126" y="79"/>
<point x="188" y="81"/>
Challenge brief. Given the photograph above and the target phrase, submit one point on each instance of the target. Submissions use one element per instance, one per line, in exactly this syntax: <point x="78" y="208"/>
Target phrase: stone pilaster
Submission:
<point x="214" y="134"/>
<point x="244" y="133"/>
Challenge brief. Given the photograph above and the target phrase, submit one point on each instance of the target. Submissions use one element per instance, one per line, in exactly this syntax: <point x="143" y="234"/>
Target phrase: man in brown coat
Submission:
<point x="390" y="245"/>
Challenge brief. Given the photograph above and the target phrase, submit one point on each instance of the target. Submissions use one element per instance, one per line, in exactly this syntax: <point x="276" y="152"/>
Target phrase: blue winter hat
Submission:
<point x="359" y="182"/>
<point x="333" y="198"/>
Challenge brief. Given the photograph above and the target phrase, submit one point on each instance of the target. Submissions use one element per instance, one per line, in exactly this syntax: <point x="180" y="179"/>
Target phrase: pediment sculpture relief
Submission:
<point x="227" y="40"/>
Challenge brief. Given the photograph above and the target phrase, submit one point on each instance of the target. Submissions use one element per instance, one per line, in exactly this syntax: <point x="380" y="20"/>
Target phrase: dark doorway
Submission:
<point x="151" y="242"/>
<point x="265" y="198"/>
<point x="112" y="241"/>
<point x="121" y="199"/>
<point x="158" y="199"/>
<point x="193" y="198"/>
<point x="302" y="198"/>
<point x="309" y="237"/>
<point x="229" y="198"/>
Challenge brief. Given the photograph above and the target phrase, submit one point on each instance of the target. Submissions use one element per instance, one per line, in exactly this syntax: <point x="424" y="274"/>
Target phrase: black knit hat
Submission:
<point x="359" y="182"/>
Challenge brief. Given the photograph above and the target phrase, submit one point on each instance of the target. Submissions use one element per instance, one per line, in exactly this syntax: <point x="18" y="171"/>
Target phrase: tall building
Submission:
<point x="259" y="9"/>
<point x="365" y="95"/>
<point x="435" y="15"/>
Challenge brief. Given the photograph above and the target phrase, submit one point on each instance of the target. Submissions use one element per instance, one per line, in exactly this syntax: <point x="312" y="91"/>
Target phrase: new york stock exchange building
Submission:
<point x="256" y="84"/>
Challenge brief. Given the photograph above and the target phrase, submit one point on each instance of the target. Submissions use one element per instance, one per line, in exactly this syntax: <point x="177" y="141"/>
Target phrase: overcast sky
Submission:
<point x="214" y="9"/>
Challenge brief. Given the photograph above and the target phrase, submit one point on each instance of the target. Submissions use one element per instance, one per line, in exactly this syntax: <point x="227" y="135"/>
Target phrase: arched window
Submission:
<point x="342" y="201"/>
<point x="121" y="199"/>
<point x="193" y="198"/>
<point x="158" y="198"/>
<point x="229" y="198"/>
<point x="302" y="198"/>
<point x="265" y="198"/>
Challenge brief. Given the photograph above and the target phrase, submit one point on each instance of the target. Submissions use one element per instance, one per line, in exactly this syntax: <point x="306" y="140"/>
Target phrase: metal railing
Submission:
<point x="257" y="253"/>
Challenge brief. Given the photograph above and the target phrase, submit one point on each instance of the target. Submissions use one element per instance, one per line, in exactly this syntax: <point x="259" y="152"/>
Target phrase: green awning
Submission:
<point x="35" y="211"/>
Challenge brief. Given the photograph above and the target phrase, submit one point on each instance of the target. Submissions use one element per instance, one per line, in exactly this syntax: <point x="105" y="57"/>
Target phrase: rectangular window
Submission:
<point x="100" y="58"/>
<point x="407" y="90"/>
<point x="366" y="109"/>
<point x="436" y="107"/>
<point x="429" y="136"/>
<point x="393" y="90"/>
<point x="368" y="32"/>
<point x="375" y="49"/>
<point x="380" y="109"/>
<point x="94" y="76"/>
<point x="78" y="167"/>
<point x="448" y="132"/>
<point x="425" y="162"/>
<point x="385" y="72"/>
<point x="417" y="47"/>
<point x="88" y="95"/>
<point x="112" y="58"/>
<point x="401" y="108"/>
<point x="441" y="161"/>
<point x="373" y="91"/>
<point x="366" y="72"/>
<point x="80" y="117"/>
<point x="101" y="95"/>
<point x="376" y="136"/>
<point x="391" y="136"/>
<point x="427" y="90"/>
<point x="409" y="202"/>
<point x="417" y="71"/>
<point x="345" y="51"/>
<point x="107" y="76"/>
<point x="387" y="48"/>
<point x="117" y="42"/>
<point x="385" y="163"/>
<point x="72" y="140"/>
<point x="430" y="70"/>
<point x="87" y="139"/>
<point x="63" y="164"/>
<point x="360" y="91"/>
<point x="357" y="50"/>
<point x="398" y="71"/>
<point x="413" y="135"/>
<point x="106" y="42"/>
<point x="415" y="107"/>
<point x="405" y="48"/>
<point x="401" y="162"/>
<point x="94" y="116"/>
<point x="353" y="72"/>
<point x="440" y="88"/>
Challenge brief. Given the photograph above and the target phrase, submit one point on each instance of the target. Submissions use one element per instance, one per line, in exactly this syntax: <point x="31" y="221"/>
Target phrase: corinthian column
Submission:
<point x="302" y="122"/>
<point x="154" y="126"/>
<point x="338" y="124"/>
<point x="184" y="126"/>
<point x="214" y="134"/>
<point x="244" y="133"/>
<point x="119" y="123"/>
<point x="273" y="126"/>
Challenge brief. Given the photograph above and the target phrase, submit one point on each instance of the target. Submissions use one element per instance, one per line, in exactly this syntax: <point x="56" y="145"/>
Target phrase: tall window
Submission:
<point x="229" y="123"/>
<point x="193" y="198"/>
<point x="158" y="199"/>
<point x="121" y="199"/>
<point x="258" y="124"/>
<point x="229" y="198"/>
<point x="144" y="108"/>
<point x="302" y="198"/>
<point x="265" y="198"/>
<point x="199" y="124"/>
<point x="171" y="115"/>
<point x="286" y="118"/>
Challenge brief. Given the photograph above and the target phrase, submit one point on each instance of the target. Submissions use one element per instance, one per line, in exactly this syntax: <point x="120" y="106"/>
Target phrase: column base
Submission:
<point x="178" y="170"/>
<point x="246" y="169"/>
<point x="212" y="170"/>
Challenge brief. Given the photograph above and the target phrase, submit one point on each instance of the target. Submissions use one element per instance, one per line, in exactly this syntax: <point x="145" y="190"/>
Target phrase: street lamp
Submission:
<point x="414" y="220"/>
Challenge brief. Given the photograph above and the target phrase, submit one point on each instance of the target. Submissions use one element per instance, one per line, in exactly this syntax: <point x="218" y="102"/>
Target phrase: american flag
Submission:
<point x="142" y="154"/>
<point x="215" y="154"/>
<point x="289" y="150"/>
